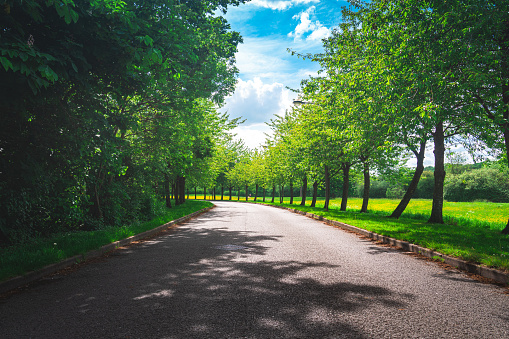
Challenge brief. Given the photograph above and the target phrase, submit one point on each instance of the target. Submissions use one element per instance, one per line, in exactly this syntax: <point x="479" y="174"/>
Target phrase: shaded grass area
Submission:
<point x="471" y="238"/>
<point x="18" y="260"/>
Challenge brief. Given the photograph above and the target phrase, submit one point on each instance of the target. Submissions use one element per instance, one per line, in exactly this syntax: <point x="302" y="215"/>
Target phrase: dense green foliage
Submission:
<point x="486" y="183"/>
<point x="105" y="106"/>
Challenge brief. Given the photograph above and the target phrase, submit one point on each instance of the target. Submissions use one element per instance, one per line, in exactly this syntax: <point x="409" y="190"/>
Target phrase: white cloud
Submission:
<point x="280" y="5"/>
<point x="253" y="135"/>
<point x="318" y="31"/>
<point x="257" y="102"/>
<point x="268" y="59"/>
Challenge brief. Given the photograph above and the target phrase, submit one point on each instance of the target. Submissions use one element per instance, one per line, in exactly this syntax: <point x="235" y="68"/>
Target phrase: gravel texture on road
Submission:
<point x="252" y="271"/>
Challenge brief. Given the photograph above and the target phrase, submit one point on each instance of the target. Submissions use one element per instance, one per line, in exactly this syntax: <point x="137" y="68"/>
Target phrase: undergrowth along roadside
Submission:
<point x="21" y="259"/>
<point x="473" y="241"/>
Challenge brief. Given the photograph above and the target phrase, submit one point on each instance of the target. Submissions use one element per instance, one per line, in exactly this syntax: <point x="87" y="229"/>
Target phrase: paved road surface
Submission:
<point x="248" y="271"/>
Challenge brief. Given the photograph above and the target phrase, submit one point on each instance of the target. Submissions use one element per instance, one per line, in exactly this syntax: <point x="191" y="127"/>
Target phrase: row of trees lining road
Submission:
<point x="396" y="76"/>
<point x="410" y="72"/>
<point x="108" y="106"/>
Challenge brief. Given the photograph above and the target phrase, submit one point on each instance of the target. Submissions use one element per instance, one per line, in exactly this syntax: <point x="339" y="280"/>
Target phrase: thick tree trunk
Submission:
<point x="367" y="184"/>
<point x="304" y="190"/>
<point x="256" y="192"/>
<point x="167" y="194"/>
<point x="346" y="183"/>
<point x="182" y="190"/>
<point x="327" y="189"/>
<point x="315" y="194"/>
<point x="175" y="189"/>
<point x="413" y="184"/>
<point x="505" y="127"/>
<point x="264" y="194"/>
<point x="246" y="193"/>
<point x="97" y="212"/>
<point x="291" y="192"/>
<point x="438" y="190"/>
<point x="222" y="192"/>
<point x="273" y="193"/>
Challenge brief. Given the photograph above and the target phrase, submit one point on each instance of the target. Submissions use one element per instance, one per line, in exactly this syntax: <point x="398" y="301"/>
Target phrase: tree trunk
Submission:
<point x="230" y="188"/>
<point x="505" y="126"/>
<point x="367" y="183"/>
<point x="281" y="193"/>
<point x="304" y="190"/>
<point x="413" y="184"/>
<point x="263" y="194"/>
<point x="246" y="193"/>
<point x="346" y="183"/>
<point x="238" y="193"/>
<point x="222" y="192"/>
<point x="97" y="212"/>
<point x="205" y="193"/>
<point x="327" y="189"/>
<point x="182" y="190"/>
<point x="214" y="193"/>
<point x="438" y="190"/>
<point x="195" y="194"/>
<point x="175" y="188"/>
<point x="291" y="192"/>
<point x="167" y="194"/>
<point x="315" y="193"/>
<point x="273" y="193"/>
<point x="256" y="192"/>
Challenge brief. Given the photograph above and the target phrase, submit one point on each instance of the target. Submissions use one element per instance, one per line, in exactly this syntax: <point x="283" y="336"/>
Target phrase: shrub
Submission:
<point x="425" y="186"/>
<point x="377" y="189"/>
<point x="485" y="183"/>
<point x="395" y="192"/>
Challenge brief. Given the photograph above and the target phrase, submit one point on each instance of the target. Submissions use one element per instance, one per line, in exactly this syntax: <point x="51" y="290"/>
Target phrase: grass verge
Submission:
<point x="467" y="238"/>
<point x="18" y="260"/>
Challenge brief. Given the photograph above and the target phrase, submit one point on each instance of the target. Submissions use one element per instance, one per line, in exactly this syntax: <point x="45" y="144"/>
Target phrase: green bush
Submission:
<point x="425" y="186"/>
<point x="395" y="192"/>
<point x="486" y="183"/>
<point x="377" y="189"/>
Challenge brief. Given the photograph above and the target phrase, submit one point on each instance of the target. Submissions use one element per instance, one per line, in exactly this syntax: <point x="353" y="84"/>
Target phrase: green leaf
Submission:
<point x="6" y="63"/>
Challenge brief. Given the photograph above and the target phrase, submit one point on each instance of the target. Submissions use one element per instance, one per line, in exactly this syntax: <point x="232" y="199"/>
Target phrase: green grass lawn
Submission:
<point x="17" y="260"/>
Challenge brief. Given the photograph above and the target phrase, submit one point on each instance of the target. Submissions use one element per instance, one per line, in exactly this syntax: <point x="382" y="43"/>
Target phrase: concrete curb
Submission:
<point x="25" y="279"/>
<point x="486" y="272"/>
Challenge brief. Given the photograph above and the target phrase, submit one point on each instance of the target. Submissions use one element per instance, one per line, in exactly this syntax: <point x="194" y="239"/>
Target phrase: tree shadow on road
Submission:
<point x="206" y="283"/>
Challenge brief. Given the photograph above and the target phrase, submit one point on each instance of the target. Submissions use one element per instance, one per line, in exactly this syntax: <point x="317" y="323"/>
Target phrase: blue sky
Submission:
<point x="266" y="69"/>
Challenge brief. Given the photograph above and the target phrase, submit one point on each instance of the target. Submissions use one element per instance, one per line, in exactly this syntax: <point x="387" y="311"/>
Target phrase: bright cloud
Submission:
<point x="316" y="29"/>
<point x="280" y="5"/>
<point x="253" y="135"/>
<point x="257" y="102"/>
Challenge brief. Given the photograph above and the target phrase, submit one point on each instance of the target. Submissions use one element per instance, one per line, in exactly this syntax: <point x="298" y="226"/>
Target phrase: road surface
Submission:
<point x="250" y="271"/>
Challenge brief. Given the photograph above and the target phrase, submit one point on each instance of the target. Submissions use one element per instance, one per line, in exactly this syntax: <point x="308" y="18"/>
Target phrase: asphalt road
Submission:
<point x="250" y="271"/>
